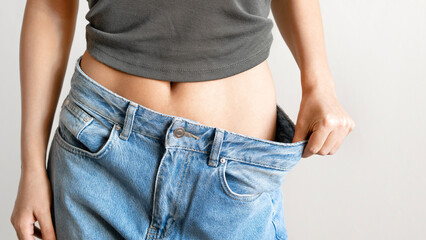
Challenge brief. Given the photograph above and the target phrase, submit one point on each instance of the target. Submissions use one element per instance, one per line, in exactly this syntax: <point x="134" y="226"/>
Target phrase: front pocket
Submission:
<point x="84" y="133"/>
<point x="244" y="181"/>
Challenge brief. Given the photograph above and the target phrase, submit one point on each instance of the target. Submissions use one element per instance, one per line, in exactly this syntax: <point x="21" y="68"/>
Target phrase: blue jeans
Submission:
<point x="119" y="170"/>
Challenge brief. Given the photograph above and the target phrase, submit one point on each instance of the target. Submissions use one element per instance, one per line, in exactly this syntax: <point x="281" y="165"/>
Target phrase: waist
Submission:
<point x="244" y="103"/>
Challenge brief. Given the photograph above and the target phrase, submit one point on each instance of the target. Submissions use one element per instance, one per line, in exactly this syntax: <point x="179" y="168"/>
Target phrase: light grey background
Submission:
<point x="374" y="186"/>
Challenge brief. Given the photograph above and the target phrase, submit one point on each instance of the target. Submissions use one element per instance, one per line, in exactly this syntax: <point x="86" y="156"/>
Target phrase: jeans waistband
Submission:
<point x="217" y="142"/>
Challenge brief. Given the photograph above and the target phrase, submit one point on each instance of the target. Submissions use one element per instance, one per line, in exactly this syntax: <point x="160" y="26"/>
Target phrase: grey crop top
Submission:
<point x="179" y="40"/>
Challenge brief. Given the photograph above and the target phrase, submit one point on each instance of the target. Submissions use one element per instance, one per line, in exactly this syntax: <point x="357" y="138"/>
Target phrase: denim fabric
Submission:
<point x="119" y="170"/>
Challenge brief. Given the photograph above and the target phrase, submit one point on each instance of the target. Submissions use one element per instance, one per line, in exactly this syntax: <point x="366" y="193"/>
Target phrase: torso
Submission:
<point x="244" y="103"/>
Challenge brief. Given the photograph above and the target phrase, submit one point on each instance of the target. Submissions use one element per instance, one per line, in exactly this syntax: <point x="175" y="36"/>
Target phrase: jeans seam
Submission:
<point x="181" y="180"/>
<point x="257" y="164"/>
<point x="72" y="149"/>
<point x="165" y="234"/>
<point x="189" y="149"/>
<point x="273" y="215"/>
<point x="227" y="190"/>
<point x="235" y="159"/>
<point x="108" y="119"/>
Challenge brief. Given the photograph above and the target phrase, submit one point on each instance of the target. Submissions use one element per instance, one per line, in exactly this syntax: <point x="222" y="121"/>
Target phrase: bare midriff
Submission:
<point x="244" y="103"/>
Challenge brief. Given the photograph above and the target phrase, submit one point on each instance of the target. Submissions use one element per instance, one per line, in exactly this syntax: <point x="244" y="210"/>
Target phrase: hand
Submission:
<point x="323" y="121"/>
<point x="33" y="204"/>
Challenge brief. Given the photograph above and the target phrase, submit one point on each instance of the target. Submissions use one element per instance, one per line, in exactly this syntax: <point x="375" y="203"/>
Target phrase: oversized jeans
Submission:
<point x="120" y="170"/>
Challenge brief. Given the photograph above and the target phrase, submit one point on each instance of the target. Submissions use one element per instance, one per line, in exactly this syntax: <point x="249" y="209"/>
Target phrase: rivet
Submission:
<point x="67" y="101"/>
<point x="87" y="118"/>
<point x="117" y="127"/>
<point x="222" y="160"/>
<point x="179" y="132"/>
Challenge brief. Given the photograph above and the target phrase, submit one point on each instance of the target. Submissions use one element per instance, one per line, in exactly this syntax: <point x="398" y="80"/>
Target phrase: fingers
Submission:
<point x="328" y="138"/>
<point x="329" y="143"/>
<point x="26" y="229"/>
<point x="345" y="131"/>
<point x="24" y="226"/>
<point x="315" y="142"/>
<point x="46" y="225"/>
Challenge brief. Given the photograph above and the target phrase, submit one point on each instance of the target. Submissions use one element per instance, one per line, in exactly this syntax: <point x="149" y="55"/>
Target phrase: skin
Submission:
<point x="46" y="39"/>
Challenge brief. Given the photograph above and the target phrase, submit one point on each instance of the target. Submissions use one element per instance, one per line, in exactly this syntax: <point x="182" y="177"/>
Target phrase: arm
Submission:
<point x="320" y="115"/>
<point x="46" y="38"/>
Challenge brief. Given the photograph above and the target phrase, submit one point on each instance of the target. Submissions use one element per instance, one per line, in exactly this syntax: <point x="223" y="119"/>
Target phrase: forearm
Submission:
<point x="46" y="38"/>
<point x="300" y="25"/>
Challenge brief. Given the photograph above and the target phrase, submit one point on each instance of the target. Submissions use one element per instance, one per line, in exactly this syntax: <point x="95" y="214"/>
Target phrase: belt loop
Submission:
<point x="216" y="147"/>
<point x="128" y="121"/>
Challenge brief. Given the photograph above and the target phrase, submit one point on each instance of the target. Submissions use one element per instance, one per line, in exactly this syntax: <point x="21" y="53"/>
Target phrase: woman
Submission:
<point x="171" y="128"/>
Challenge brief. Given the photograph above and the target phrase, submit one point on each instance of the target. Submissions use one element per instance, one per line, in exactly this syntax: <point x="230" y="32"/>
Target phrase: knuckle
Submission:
<point x="16" y="222"/>
<point x="20" y="225"/>
<point x="345" y="123"/>
<point x="329" y="121"/>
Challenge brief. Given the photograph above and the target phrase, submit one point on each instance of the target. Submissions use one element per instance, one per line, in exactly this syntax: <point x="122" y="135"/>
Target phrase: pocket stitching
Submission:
<point x="77" y="111"/>
<point x="70" y="148"/>
<point x="80" y="104"/>
<point x="227" y="190"/>
<point x="278" y="235"/>
<point x="257" y="164"/>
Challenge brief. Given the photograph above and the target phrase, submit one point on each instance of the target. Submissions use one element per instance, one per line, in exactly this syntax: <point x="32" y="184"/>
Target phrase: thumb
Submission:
<point x="300" y="133"/>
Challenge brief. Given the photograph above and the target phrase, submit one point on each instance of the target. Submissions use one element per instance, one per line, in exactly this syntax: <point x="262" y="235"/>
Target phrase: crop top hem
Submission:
<point x="179" y="75"/>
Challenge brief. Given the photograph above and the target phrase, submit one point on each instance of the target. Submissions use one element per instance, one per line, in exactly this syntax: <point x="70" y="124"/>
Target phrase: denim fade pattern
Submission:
<point x="119" y="170"/>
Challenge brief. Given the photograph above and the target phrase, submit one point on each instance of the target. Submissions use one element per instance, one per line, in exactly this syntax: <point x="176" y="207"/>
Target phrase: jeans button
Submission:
<point x="179" y="132"/>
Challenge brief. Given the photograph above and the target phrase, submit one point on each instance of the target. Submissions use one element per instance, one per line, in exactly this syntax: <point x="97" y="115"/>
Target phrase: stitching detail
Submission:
<point x="70" y="148"/>
<point x="189" y="149"/>
<point x="273" y="215"/>
<point x="253" y="138"/>
<point x="181" y="181"/>
<point x="258" y="164"/>
<point x="77" y="111"/>
<point x="83" y="106"/>
<point x="110" y="120"/>
<point x="165" y="234"/>
<point x="228" y="192"/>
<point x="235" y="159"/>
<point x="276" y="233"/>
